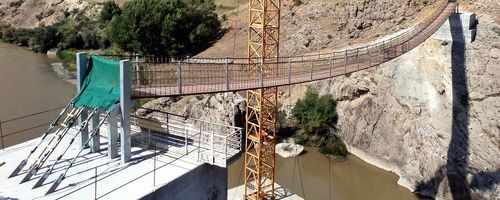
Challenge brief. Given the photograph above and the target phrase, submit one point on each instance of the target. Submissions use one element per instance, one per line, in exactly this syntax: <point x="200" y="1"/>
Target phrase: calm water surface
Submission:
<point x="311" y="174"/>
<point x="28" y="85"/>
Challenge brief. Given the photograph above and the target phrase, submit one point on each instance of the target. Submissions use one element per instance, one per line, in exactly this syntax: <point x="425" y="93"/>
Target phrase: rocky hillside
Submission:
<point x="322" y="25"/>
<point x="430" y="116"/>
<point x="32" y="13"/>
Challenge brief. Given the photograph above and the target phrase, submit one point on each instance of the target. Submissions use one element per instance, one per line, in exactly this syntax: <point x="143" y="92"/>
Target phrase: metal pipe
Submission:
<point x="332" y="64"/>
<point x="369" y="56"/>
<point x="179" y="76"/>
<point x="345" y="66"/>
<point x="137" y="69"/>
<point x="357" y="54"/>
<point x="226" y="66"/>
<point x="312" y="69"/>
<point x="95" y="183"/>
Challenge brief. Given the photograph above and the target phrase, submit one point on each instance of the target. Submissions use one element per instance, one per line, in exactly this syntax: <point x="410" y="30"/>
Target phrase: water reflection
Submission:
<point x="312" y="174"/>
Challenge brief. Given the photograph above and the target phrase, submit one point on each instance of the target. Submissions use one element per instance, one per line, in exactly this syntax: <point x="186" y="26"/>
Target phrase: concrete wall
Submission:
<point x="460" y="25"/>
<point x="207" y="182"/>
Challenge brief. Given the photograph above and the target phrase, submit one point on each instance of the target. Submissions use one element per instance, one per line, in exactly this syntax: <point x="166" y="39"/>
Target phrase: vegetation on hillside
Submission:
<point x="154" y="27"/>
<point x="316" y="116"/>
<point x="165" y="27"/>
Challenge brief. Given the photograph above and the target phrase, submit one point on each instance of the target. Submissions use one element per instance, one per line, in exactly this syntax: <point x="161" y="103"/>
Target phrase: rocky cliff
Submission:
<point x="431" y="116"/>
<point x="32" y="13"/>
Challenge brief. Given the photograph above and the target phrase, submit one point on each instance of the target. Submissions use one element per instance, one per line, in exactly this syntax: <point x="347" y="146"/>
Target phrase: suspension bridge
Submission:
<point x="108" y="87"/>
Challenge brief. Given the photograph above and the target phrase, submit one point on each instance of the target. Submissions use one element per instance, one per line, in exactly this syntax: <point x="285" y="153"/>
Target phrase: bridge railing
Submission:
<point x="199" y="140"/>
<point x="157" y="77"/>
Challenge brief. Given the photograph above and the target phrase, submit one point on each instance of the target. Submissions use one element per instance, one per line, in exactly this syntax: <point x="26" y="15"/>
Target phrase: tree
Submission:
<point x="109" y="10"/>
<point x="164" y="27"/>
<point x="315" y="114"/>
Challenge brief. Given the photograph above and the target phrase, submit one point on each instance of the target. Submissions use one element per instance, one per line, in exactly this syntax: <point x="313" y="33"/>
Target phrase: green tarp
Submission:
<point x="101" y="88"/>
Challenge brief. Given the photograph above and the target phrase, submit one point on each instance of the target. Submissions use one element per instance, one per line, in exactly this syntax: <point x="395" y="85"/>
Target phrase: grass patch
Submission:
<point x="138" y="103"/>
<point x="334" y="148"/>
<point x="68" y="58"/>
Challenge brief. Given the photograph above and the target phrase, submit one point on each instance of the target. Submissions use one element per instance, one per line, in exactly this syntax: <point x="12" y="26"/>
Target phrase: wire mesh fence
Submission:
<point x="158" y="77"/>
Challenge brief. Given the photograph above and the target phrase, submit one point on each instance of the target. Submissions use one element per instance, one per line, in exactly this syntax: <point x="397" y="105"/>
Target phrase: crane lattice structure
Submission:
<point x="262" y="104"/>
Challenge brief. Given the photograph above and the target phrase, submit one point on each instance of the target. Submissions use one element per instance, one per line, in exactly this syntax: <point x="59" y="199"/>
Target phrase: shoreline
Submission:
<point x="63" y="73"/>
<point x="384" y="165"/>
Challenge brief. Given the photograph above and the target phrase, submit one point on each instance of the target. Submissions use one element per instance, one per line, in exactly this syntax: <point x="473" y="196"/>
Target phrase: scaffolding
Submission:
<point x="261" y="110"/>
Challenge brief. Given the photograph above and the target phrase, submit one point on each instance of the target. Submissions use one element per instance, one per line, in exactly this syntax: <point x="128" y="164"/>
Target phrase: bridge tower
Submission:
<point x="261" y="110"/>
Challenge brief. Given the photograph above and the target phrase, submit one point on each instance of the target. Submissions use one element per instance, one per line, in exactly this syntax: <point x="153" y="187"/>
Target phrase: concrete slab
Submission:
<point x="281" y="193"/>
<point x="133" y="180"/>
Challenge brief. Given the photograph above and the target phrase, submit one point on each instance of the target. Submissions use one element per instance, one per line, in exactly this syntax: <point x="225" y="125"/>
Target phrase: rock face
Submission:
<point x="223" y="108"/>
<point x="319" y="24"/>
<point x="32" y="13"/>
<point x="432" y="115"/>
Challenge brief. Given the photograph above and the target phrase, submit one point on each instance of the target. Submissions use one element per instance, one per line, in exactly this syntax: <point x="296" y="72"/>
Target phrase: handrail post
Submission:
<point x="137" y="70"/>
<point x="369" y="56"/>
<point x="357" y="54"/>
<point x="186" y="139"/>
<point x="225" y="158"/>
<point x="226" y="66"/>
<point x="379" y="54"/>
<point x="383" y="50"/>
<point x="312" y="68"/>
<point x="179" y="76"/>
<point x="289" y="72"/>
<point x="188" y="74"/>
<point x="332" y="64"/>
<point x="345" y="66"/>
<point x="81" y="69"/>
<point x="213" y="147"/>
<point x="125" y="105"/>
<point x="289" y="77"/>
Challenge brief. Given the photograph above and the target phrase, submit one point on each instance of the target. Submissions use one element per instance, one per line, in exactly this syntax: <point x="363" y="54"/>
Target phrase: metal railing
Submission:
<point x="12" y="122"/>
<point x="159" y="77"/>
<point x="199" y="140"/>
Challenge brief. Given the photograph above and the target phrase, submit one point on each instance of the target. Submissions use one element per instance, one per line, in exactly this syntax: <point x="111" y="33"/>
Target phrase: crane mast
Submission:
<point x="262" y="104"/>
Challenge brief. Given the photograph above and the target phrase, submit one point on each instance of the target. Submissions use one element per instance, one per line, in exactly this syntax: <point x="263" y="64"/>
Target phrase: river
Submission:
<point x="311" y="174"/>
<point x="29" y="85"/>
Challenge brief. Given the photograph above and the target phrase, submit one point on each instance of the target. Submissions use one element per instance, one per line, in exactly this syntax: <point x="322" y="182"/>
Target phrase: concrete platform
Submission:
<point x="114" y="181"/>
<point x="281" y="193"/>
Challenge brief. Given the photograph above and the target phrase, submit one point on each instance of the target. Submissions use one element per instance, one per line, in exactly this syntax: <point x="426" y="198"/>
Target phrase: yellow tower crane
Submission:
<point x="262" y="104"/>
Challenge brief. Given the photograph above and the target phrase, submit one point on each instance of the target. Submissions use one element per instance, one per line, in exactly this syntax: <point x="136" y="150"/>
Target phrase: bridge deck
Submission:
<point x="115" y="181"/>
<point x="202" y="76"/>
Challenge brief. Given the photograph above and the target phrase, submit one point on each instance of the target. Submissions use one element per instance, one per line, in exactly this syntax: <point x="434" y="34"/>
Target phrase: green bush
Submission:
<point x="315" y="114"/>
<point x="164" y="27"/>
<point x="109" y="10"/>
<point x="334" y="147"/>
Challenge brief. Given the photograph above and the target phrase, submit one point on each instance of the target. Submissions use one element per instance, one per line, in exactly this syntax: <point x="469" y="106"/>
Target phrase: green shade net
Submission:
<point x="101" y="88"/>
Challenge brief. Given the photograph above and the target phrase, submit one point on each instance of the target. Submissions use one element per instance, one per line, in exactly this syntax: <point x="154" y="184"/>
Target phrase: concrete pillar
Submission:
<point x="81" y="69"/>
<point x="95" y="142"/>
<point x="125" y="103"/>
<point x="113" y="133"/>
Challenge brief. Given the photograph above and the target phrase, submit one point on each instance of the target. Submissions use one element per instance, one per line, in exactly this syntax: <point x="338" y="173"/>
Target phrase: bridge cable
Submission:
<point x="301" y="180"/>
<point x="329" y="178"/>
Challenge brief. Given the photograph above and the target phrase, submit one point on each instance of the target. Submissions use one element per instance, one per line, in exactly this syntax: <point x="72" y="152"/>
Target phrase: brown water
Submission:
<point x="28" y="85"/>
<point x="312" y="174"/>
